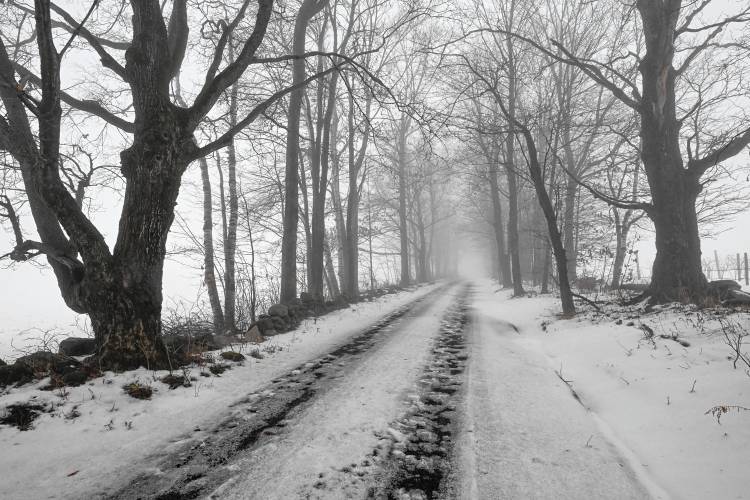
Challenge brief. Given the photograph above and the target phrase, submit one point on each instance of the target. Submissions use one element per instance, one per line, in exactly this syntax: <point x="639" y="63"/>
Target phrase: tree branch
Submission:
<point x="256" y="112"/>
<point x="106" y="59"/>
<point x="718" y="155"/>
<point x="86" y="105"/>
<point x="178" y="35"/>
<point x="215" y="86"/>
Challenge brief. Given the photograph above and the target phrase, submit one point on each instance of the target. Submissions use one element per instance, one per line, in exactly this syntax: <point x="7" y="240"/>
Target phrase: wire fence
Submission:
<point x="730" y="267"/>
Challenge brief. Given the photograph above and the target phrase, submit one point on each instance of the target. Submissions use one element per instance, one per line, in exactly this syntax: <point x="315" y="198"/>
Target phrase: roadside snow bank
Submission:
<point x="651" y="394"/>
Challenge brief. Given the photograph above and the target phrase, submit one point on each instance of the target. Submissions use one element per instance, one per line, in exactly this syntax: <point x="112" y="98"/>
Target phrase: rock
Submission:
<point x="264" y="323"/>
<point x="737" y="297"/>
<point x="253" y="335"/>
<point x="15" y="374"/>
<point x="280" y="324"/>
<point x="723" y="288"/>
<point x="45" y="361"/>
<point x="232" y="356"/>
<point x="74" y="379"/>
<point x="279" y="310"/>
<point x="725" y="285"/>
<point x="78" y="346"/>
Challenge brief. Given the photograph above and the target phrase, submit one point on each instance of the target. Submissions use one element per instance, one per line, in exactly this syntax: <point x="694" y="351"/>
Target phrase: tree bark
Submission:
<point x="402" y="216"/>
<point x="621" y="249"/>
<point x="537" y="177"/>
<point x="333" y="285"/>
<point x="510" y="172"/>
<point x="209" y="275"/>
<point x="569" y="225"/>
<point x="677" y="272"/>
<point x="230" y="242"/>
<point x="307" y="11"/>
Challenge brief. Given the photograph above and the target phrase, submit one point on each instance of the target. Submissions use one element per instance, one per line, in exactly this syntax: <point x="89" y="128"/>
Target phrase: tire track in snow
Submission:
<point x="199" y="467"/>
<point x="416" y="457"/>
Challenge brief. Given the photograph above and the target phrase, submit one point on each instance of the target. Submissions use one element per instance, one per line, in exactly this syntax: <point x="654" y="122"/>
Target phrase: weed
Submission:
<point x="138" y="390"/>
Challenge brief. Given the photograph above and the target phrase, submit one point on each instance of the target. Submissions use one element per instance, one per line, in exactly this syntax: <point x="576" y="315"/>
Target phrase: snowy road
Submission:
<point x="523" y="436"/>
<point x="304" y="435"/>
<point x="435" y="397"/>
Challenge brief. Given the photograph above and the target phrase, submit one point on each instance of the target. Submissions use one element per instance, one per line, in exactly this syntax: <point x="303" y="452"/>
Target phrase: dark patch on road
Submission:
<point x="415" y="462"/>
<point x="200" y="467"/>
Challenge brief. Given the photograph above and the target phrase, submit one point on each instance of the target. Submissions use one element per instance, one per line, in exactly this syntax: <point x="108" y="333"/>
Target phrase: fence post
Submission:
<point x="739" y="268"/>
<point x="719" y="271"/>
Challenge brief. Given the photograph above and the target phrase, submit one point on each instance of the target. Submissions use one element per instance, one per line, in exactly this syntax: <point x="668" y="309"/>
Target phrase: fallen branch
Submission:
<point x="588" y="301"/>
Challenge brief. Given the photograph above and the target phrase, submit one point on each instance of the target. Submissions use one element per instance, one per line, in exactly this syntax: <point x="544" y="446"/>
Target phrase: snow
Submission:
<point x="71" y="458"/>
<point x="341" y="427"/>
<point x="638" y="429"/>
<point x="524" y="435"/>
<point x="637" y="393"/>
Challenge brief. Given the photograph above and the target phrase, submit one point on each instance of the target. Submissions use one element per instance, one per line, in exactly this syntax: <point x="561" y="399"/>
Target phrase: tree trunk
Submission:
<point x="125" y="297"/>
<point x="677" y="272"/>
<point x="209" y="275"/>
<point x="333" y="285"/>
<point x="569" y="225"/>
<point x="307" y="10"/>
<point x="403" y="229"/>
<point x="545" y="268"/>
<point x="621" y="248"/>
<point x="510" y="172"/>
<point x="503" y="262"/>
<point x="230" y="243"/>
<point x="351" y="288"/>
<point x="536" y="174"/>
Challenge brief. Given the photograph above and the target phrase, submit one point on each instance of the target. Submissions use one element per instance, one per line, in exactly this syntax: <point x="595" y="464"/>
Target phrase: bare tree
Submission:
<point x="120" y="289"/>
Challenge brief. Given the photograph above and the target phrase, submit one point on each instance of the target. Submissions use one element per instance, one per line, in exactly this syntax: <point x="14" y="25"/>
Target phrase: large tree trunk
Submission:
<point x="677" y="272"/>
<point x="209" y="275"/>
<point x="125" y="297"/>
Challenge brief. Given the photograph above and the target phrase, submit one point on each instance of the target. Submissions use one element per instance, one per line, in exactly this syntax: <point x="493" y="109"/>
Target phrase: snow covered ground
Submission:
<point x="590" y="407"/>
<point x="96" y="433"/>
<point x="648" y="398"/>
<point x="342" y="425"/>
